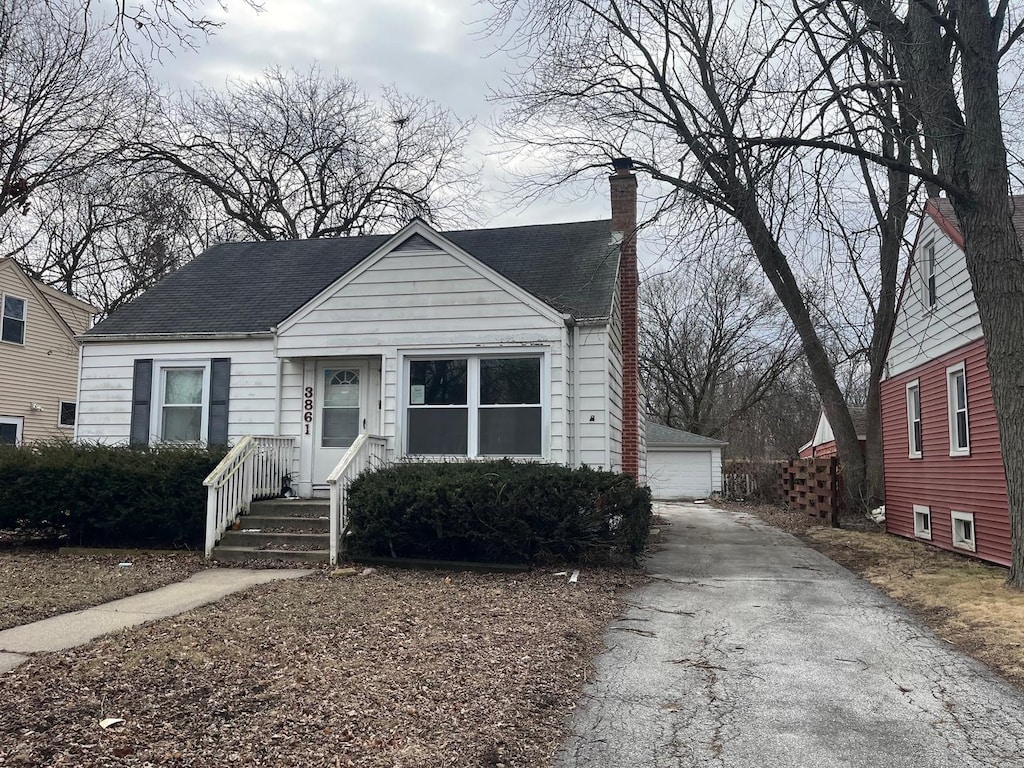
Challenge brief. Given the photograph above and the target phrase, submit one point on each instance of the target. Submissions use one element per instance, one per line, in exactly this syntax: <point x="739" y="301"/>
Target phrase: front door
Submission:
<point x="340" y="414"/>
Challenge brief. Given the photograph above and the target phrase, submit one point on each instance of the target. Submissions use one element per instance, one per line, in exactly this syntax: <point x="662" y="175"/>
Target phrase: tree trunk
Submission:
<point x="856" y="496"/>
<point x="972" y="155"/>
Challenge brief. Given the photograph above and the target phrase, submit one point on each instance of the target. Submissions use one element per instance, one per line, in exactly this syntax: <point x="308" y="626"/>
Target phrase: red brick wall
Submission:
<point x="623" y="201"/>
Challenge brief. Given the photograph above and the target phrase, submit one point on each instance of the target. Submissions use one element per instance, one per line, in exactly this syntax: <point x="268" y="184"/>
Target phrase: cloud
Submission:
<point x="427" y="48"/>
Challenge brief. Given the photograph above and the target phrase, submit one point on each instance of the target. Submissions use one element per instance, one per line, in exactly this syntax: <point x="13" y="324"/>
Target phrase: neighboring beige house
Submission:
<point x="38" y="357"/>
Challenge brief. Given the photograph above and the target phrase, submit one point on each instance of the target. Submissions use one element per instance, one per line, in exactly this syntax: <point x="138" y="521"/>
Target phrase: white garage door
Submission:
<point x="679" y="474"/>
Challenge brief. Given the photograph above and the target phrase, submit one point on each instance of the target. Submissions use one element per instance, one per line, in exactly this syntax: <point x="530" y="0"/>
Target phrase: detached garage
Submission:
<point x="682" y="465"/>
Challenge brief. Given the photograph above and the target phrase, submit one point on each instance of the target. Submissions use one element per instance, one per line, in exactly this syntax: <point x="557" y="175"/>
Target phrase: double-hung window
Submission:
<point x="479" y="405"/>
<point x="914" y="435"/>
<point x="182" y="397"/>
<point x="930" y="290"/>
<point x="959" y="428"/>
<point x="12" y="325"/>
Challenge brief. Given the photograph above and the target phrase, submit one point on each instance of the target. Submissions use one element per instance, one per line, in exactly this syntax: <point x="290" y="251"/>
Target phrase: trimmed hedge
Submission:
<point x="498" y="512"/>
<point x="109" y="496"/>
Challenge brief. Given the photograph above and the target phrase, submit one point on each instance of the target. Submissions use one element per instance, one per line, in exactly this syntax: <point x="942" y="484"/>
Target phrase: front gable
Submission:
<point x="418" y="289"/>
<point x="14" y="282"/>
<point x="936" y="312"/>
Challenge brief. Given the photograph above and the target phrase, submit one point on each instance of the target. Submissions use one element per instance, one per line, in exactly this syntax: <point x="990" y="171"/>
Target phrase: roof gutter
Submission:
<point x="98" y="337"/>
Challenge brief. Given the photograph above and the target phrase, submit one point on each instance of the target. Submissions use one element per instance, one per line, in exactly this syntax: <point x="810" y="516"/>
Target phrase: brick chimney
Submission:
<point x="623" y="197"/>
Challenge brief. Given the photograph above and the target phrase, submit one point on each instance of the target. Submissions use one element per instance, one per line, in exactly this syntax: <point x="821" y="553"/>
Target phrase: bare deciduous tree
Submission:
<point x="679" y="85"/>
<point x="107" y="237"/>
<point x="713" y="345"/>
<point x="65" y="100"/>
<point x="293" y="155"/>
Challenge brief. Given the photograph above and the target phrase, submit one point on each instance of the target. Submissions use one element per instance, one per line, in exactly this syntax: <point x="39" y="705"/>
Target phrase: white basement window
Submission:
<point x="963" y="530"/>
<point x="914" y="435"/>
<point x="959" y="428"/>
<point x="922" y="521"/>
<point x="485" y="405"/>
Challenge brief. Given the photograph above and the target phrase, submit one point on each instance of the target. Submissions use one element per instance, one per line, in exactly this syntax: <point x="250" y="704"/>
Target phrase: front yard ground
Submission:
<point x="397" y="668"/>
<point x="962" y="600"/>
<point x="37" y="583"/>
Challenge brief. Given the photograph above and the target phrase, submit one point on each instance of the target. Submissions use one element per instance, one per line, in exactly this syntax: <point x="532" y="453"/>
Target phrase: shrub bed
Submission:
<point x="110" y="496"/>
<point x="499" y="512"/>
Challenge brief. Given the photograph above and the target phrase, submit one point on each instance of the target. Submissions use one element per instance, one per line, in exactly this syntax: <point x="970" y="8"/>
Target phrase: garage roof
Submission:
<point x="660" y="436"/>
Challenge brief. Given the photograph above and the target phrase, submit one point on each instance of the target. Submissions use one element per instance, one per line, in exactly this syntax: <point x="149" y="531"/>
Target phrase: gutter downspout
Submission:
<point x="577" y="420"/>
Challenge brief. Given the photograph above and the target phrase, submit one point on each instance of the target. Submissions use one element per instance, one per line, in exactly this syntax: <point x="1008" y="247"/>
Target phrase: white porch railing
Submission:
<point x="368" y="451"/>
<point x="253" y="469"/>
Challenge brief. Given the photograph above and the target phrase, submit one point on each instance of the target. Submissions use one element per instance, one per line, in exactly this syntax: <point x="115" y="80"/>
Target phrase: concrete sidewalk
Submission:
<point x="79" y="627"/>
<point x="749" y="649"/>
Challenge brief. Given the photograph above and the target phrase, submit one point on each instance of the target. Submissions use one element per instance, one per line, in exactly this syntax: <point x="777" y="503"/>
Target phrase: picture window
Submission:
<point x="474" y="406"/>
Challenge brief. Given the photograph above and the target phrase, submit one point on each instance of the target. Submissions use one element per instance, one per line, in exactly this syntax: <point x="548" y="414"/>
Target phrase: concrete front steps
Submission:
<point x="296" y="530"/>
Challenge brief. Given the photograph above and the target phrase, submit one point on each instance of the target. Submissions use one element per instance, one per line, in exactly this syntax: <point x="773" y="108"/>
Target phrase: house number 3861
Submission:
<point x="307" y="407"/>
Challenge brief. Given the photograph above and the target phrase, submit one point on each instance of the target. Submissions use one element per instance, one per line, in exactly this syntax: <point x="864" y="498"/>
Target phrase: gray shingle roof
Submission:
<point x="660" y="436"/>
<point x="945" y="208"/>
<point x="251" y="287"/>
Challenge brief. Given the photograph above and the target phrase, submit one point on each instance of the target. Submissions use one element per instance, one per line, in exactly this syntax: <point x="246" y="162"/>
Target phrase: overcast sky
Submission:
<point x="430" y="48"/>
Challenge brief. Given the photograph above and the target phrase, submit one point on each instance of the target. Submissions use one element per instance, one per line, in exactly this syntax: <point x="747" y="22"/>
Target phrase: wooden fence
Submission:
<point x="814" y="486"/>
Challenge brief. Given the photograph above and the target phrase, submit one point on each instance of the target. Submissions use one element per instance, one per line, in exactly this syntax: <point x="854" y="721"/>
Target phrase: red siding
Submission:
<point x="826" y="450"/>
<point x="974" y="483"/>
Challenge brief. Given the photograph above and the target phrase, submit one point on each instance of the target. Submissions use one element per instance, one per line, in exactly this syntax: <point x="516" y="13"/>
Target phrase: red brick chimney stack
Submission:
<point x="623" y="197"/>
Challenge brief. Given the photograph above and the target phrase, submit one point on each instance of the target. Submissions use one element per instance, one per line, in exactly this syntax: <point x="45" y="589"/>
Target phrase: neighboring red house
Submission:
<point x="823" y="444"/>
<point x="944" y="479"/>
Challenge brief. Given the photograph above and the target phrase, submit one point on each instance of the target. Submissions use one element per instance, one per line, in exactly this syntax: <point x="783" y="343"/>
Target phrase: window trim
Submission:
<point x="929" y="274"/>
<point x="157" y="399"/>
<point x="60" y="413"/>
<point x="19" y="427"/>
<point x="23" y="321"/>
<point x="921" y="512"/>
<point x="914" y="386"/>
<point x="959" y="541"/>
<point x="473" y="355"/>
<point x="951" y="411"/>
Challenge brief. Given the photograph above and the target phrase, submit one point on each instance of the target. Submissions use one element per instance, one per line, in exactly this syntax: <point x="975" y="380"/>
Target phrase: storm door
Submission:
<point x="340" y="414"/>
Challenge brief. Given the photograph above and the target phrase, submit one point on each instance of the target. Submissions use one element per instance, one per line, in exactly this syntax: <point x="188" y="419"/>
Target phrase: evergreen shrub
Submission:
<point x="498" y="512"/>
<point x="107" y="496"/>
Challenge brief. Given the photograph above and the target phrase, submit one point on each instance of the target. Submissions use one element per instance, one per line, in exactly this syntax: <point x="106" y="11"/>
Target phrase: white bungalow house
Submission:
<point x="517" y="342"/>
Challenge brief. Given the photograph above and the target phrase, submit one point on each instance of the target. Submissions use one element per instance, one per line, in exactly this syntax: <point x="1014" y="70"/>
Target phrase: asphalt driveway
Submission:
<point x="751" y="649"/>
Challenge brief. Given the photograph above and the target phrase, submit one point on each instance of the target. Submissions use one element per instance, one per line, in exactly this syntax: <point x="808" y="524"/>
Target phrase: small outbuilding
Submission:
<point x="682" y="465"/>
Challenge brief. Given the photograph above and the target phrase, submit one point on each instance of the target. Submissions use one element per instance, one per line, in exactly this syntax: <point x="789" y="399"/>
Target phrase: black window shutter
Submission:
<point x="142" y="396"/>
<point x="220" y="384"/>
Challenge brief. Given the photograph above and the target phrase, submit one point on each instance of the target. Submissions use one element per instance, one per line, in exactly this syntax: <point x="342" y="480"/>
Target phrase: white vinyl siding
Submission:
<point x="105" y="401"/>
<point x="614" y="368"/>
<point x="921" y="335"/>
<point x="592" y="396"/>
<point x="409" y="303"/>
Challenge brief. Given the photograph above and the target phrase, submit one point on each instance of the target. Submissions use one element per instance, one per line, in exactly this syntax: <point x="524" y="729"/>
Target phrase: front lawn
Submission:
<point x="38" y="583"/>
<point x="398" y="668"/>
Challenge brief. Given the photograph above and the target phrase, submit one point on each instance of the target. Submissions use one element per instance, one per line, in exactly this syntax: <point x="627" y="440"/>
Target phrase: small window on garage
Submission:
<point x="922" y="521"/>
<point x="963" y="530"/>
